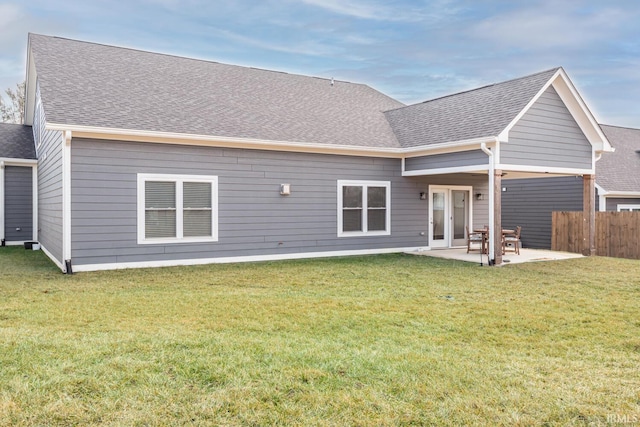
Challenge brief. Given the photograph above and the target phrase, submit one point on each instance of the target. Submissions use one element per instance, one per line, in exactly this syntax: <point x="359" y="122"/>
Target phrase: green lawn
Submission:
<point x="378" y="340"/>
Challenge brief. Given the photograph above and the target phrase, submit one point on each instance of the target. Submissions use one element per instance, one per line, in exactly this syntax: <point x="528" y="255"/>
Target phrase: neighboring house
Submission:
<point x="18" y="190"/>
<point x="618" y="173"/>
<point x="529" y="203"/>
<point x="147" y="159"/>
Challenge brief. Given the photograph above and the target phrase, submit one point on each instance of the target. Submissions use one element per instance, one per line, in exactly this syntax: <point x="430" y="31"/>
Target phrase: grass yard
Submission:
<point x="378" y="340"/>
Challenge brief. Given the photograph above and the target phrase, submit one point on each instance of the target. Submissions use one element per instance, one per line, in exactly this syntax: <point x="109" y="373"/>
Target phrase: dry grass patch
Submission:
<point x="379" y="340"/>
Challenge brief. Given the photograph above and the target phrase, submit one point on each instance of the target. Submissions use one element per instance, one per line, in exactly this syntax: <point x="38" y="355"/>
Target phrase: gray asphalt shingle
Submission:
<point x="96" y="85"/>
<point x="90" y="84"/>
<point x="482" y="112"/>
<point x="16" y="141"/>
<point x="620" y="170"/>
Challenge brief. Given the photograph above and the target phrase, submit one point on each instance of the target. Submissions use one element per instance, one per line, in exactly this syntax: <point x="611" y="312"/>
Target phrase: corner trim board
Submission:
<point x="66" y="195"/>
<point x="34" y="204"/>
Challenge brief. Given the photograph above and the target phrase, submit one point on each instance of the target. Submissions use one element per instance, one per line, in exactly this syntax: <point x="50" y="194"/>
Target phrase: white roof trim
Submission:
<point x="576" y="106"/>
<point x="31" y="79"/>
<point x="545" y="169"/>
<point x="258" y="144"/>
<point x="18" y="162"/>
<point x="504" y="135"/>
<point x="621" y="194"/>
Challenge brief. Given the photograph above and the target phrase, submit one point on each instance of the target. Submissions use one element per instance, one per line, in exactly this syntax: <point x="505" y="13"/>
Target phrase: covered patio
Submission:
<point x="533" y="127"/>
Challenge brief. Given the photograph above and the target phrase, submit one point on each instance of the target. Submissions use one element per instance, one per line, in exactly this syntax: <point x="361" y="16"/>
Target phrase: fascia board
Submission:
<point x="18" y="162"/>
<point x="30" y="87"/>
<point x="219" y="141"/>
<point x="544" y="169"/>
<point x="450" y="147"/>
<point x="581" y="113"/>
<point x="622" y="194"/>
<point x="577" y="107"/>
<point x="504" y="135"/>
<point x="249" y="143"/>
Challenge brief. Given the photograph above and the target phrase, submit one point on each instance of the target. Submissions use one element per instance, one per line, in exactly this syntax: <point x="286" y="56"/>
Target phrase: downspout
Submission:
<point x="34" y="202"/>
<point x="602" y="199"/>
<point x="66" y="201"/>
<point x="488" y="152"/>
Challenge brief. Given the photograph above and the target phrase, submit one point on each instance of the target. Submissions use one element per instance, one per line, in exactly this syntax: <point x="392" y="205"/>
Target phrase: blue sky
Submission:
<point x="412" y="50"/>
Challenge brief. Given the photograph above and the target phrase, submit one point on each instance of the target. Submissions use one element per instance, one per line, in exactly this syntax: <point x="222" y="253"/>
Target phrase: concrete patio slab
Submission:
<point x="526" y="255"/>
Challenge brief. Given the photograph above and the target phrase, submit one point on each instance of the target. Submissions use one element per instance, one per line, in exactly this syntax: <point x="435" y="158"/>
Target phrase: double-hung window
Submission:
<point x="177" y="208"/>
<point x="363" y="208"/>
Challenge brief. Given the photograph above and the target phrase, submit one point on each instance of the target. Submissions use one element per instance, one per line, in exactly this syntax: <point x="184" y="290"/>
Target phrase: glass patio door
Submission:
<point x="449" y="214"/>
<point x="438" y="214"/>
<point x="459" y="216"/>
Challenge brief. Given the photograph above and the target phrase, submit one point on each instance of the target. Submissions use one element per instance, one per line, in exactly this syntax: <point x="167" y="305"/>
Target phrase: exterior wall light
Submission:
<point x="285" y="189"/>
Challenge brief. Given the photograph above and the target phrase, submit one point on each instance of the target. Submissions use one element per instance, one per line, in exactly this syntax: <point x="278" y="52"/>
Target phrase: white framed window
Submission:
<point x="364" y="208"/>
<point x="628" y="208"/>
<point x="177" y="208"/>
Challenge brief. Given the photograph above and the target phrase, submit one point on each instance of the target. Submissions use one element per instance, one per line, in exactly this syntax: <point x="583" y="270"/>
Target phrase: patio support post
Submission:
<point x="588" y="215"/>
<point x="497" y="216"/>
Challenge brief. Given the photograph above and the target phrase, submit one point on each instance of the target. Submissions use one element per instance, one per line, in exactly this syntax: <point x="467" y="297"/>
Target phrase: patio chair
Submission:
<point x="512" y="241"/>
<point x="474" y="237"/>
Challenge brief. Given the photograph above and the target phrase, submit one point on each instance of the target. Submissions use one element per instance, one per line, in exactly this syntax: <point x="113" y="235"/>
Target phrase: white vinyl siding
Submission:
<point x="177" y="208"/>
<point x="364" y="208"/>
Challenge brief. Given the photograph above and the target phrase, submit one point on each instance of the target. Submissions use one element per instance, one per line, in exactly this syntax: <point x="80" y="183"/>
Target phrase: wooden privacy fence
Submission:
<point x="617" y="233"/>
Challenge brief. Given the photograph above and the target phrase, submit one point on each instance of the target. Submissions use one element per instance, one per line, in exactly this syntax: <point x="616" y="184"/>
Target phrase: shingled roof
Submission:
<point x="16" y="142"/>
<point x="620" y="170"/>
<point x="96" y="85"/>
<point x="482" y="112"/>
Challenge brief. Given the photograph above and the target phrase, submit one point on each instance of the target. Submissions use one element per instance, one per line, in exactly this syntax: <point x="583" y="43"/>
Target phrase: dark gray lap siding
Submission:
<point x="529" y="203"/>
<point x="254" y="219"/>
<point x="18" y="202"/>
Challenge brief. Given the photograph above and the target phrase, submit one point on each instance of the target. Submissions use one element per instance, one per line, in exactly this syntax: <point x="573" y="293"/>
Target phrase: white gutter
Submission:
<point x="259" y="144"/>
<point x="8" y="161"/>
<point x="483" y="147"/>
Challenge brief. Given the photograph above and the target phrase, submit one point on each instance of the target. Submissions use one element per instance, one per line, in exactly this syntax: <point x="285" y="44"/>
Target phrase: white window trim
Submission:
<point x="144" y="177"/>
<point x="364" y="184"/>
<point x="628" y="207"/>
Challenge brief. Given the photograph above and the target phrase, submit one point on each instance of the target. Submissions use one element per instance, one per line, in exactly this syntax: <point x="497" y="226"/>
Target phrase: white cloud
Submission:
<point x="550" y="25"/>
<point x="9" y="14"/>
<point x="304" y="48"/>
<point x="385" y="11"/>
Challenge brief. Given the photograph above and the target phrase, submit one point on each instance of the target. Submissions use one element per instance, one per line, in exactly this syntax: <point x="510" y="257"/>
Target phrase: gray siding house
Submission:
<point x="530" y="202"/>
<point x="618" y="182"/>
<point x="145" y="159"/>
<point x="18" y="189"/>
